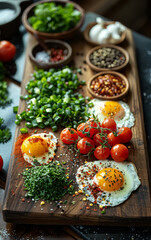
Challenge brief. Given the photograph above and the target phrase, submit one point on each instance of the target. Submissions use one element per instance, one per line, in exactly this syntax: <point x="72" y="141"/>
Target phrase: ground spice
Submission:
<point x="17" y="150"/>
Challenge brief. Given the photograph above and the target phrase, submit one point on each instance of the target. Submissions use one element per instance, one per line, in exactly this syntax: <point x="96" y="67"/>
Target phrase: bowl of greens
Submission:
<point x="53" y="19"/>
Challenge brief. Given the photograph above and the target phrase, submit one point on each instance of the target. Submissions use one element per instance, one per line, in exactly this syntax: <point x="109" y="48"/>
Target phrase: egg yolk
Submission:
<point x="113" y="110"/>
<point x="34" y="146"/>
<point x="110" y="179"/>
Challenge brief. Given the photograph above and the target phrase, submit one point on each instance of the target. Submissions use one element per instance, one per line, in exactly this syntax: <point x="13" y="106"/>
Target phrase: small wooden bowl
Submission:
<point x="51" y="44"/>
<point x="98" y="69"/>
<point x="93" y="43"/>
<point x="29" y="11"/>
<point x="118" y="97"/>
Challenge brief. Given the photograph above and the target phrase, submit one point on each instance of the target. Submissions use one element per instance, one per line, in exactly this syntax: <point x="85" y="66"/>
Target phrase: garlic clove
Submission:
<point x="116" y="36"/>
<point x="103" y="36"/>
<point x="94" y="32"/>
<point x="112" y="28"/>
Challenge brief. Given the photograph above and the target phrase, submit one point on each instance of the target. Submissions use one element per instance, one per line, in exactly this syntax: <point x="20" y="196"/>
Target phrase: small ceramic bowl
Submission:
<point x="102" y="46"/>
<point x="93" y="43"/>
<point x="104" y="97"/>
<point x="57" y="44"/>
<point x="46" y="36"/>
<point x="10" y="17"/>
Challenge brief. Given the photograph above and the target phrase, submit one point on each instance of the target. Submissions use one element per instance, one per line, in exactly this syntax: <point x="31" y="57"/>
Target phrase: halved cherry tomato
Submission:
<point x="87" y="129"/>
<point x="110" y="124"/>
<point x="7" y="51"/>
<point x="102" y="153"/>
<point x="68" y="135"/>
<point x="119" y="152"/>
<point x="1" y="162"/>
<point x="85" y="145"/>
<point x="113" y="139"/>
<point x="126" y="134"/>
<point x="99" y="139"/>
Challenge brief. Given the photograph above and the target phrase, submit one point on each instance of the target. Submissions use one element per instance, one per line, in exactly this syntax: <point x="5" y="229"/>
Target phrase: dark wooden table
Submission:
<point x="17" y="231"/>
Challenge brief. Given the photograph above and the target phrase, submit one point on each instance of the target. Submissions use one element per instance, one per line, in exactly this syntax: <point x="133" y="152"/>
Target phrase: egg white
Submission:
<point x="105" y="198"/>
<point x="127" y="121"/>
<point x="51" y="139"/>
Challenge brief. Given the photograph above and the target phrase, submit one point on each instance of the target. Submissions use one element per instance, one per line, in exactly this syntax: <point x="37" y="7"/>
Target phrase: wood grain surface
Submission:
<point x="135" y="211"/>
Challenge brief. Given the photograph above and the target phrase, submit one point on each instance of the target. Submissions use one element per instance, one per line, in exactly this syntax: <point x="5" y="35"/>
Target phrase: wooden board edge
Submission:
<point x="103" y="220"/>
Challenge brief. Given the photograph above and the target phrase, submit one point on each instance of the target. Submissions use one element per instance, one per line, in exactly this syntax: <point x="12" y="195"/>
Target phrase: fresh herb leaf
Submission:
<point x="54" y="18"/>
<point x="47" y="182"/>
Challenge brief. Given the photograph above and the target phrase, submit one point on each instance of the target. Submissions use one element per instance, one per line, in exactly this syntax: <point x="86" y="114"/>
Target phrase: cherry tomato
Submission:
<point x="99" y="139"/>
<point x="102" y="153"/>
<point x="85" y="145"/>
<point x="81" y="130"/>
<point x="110" y="124"/>
<point x="7" y="51"/>
<point x="1" y="162"/>
<point x="119" y="152"/>
<point x="112" y="139"/>
<point x="87" y="129"/>
<point x="68" y="135"/>
<point x="94" y="126"/>
<point x="126" y="134"/>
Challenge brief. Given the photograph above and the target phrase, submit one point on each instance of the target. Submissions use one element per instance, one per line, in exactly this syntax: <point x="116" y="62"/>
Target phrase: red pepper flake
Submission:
<point x="108" y="85"/>
<point x="95" y="209"/>
<point x="23" y="200"/>
<point x="87" y="207"/>
<point x="13" y="193"/>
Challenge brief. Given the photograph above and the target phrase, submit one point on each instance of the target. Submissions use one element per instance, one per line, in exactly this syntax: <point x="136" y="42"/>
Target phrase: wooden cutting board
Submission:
<point x="135" y="211"/>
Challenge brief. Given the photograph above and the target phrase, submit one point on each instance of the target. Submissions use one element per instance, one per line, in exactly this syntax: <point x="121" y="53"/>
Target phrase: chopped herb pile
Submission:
<point x="52" y="100"/>
<point x="5" y="133"/>
<point x="47" y="182"/>
<point x="54" y="18"/>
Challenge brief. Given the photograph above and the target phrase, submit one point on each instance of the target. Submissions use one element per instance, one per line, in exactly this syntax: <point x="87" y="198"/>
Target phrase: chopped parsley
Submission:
<point x="54" y="18"/>
<point x="47" y="182"/>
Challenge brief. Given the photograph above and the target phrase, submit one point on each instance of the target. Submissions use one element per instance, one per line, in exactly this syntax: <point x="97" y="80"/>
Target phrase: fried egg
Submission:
<point x="119" y="111"/>
<point x="39" y="148"/>
<point x="106" y="182"/>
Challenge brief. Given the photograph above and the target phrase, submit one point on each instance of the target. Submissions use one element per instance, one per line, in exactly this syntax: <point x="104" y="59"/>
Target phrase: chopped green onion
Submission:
<point x="23" y="130"/>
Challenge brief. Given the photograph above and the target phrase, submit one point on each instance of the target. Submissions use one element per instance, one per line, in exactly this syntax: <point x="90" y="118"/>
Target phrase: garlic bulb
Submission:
<point x="110" y="34"/>
<point x="94" y="32"/>
<point x="103" y="36"/>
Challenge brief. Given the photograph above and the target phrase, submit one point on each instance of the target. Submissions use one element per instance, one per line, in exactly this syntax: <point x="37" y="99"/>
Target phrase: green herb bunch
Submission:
<point x="48" y="182"/>
<point x="4" y="99"/>
<point x="52" y="100"/>
<point x="54" y="18"/>
<point x="5" y="133"/>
